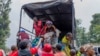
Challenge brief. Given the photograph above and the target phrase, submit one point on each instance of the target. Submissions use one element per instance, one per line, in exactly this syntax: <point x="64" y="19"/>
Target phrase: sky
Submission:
<point x="83" y="10"/>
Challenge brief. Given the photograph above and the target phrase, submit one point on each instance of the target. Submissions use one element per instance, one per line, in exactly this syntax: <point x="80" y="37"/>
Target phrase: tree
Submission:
<point x="4" y="21"/>
<point x="81" y="36"/>
<point x="95" y="28"/>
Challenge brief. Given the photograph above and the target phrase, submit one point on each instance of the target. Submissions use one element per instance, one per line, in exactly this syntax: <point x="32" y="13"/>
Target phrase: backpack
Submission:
<point x="24" y="52"/>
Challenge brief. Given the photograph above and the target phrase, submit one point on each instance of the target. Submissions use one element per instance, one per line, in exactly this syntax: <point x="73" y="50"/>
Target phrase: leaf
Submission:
<point x="4" y="21"/>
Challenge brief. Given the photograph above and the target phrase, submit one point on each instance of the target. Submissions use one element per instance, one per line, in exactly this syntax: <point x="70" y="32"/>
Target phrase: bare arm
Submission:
<point x="40" y="40"/>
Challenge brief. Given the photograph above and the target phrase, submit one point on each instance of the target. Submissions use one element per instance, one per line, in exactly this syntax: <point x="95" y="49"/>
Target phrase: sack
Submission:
<point x="49" y="34"/>
<point x="35" y="41"/>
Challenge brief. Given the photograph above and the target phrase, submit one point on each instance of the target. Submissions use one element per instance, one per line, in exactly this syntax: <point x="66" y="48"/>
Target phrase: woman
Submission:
<point x="50" y="34"/>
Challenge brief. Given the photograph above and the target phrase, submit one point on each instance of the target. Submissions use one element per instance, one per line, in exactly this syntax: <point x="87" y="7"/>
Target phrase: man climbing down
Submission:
<point x="22" y="35"/>
<point x="37" y="25"/>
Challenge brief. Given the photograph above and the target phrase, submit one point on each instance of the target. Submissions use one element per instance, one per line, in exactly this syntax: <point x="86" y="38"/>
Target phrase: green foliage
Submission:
<point x="4" y="21"/>
<point x="95" y="29"/>
<point x="81" y="36"/>
<point x="94" y="34"/>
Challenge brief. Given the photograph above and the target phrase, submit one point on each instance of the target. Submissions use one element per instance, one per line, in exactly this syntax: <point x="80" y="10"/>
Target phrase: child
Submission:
<point x="13" y="50"/>
<point x="46" y="51"/>
<point x="59" y="51"/>
<point x="73" y="52"/>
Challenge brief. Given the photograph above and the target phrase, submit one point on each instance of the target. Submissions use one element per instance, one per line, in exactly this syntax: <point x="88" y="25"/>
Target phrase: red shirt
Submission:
<point x="32" y="50"/>
<point x="44" y="53"/>
<point x="38" y="27"/>
<point x="43" y="30"/>
<point x="47" y="53"/>
<point x="11" y="53"/>
<point x="1" y="53"/>
<point x="23" y="35"/>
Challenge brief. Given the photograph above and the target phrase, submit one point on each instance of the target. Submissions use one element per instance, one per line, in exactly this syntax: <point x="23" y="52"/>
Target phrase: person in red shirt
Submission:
<point x="22" y="35"/>
<point x="46" y="51"/>
<point x="13" y="50"/>
<point x="2" y="53"/>
<point x="37" y="25"/>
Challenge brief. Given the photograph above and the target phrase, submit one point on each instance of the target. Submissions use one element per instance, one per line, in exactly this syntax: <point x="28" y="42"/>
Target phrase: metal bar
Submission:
<point x="73" y="25"/>
<point x="20" y="19"/>
<point x="32" y="31"/>
<point x="27" y="30"/>
<point x="53" y="14"/>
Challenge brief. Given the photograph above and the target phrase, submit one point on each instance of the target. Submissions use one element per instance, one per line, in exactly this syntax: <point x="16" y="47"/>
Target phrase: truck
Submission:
<point x="60" y="12"/>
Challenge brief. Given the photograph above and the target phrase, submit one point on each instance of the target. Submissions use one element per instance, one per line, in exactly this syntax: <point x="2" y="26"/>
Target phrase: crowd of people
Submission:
<point x="48" y="44"/>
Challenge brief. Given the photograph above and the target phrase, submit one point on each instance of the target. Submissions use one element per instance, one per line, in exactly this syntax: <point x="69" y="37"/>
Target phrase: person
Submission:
<point x="13" y="50"/>
<point x="73" y="52"/>
<point x="50" y="34"/>
<point x="59" y="51"/>
<point x="2" y="53"/>
<point x="37" y="25"/>
<point x="78" y="53"/>
<point x="67" y="39"/>
<point x="22" y="35"/>
<point x="89" y="50"/>
<point x="67" y="42"/>
<point x="82" y="51"/>
<point x="46" y="51"/>
<point x="25" y="50"/>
